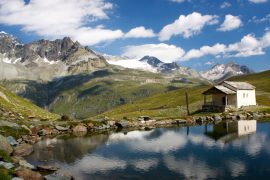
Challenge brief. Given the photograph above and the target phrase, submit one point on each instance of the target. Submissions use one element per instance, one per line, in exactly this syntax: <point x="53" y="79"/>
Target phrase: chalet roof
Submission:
<point x="219" y="88"/>
<point x="240" y="85"/>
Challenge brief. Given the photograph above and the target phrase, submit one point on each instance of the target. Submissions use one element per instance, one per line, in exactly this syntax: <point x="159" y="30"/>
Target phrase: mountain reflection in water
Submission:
<point x="226" y="150"/>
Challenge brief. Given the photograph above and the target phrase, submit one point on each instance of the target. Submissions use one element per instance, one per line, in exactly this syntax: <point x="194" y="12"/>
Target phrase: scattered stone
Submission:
<point x="60" y="128"/>
<point x="35" y="130"/>
<point x="241" y="116"/>
<point x="59" y="175"/>
<point x="47" y="168"/>
<point x="23" y="150"/>
<point x="122" y="124"/>
<point x="90" y="126"/>
<point x="144" y="118"/>
<point x="29" y="174"/>
<point x="12" y="141"/>
<point x="4" y="145"/>
<point x="217" y="118"/>
<point x="17" y="178"/>
<point x="111" y="123"/>
<point x="79" y="128"/>
<point x="16" y="159"/>
<point x="25" y="164"/>
<point x="7" y="165"/>
<point x="179" y="121"/>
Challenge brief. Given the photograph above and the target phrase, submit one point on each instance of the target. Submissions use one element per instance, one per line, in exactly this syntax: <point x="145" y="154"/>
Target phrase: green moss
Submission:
<point x="4" y="174"/>
<point x="4" y="155"/>
<point x="16" y="133"/>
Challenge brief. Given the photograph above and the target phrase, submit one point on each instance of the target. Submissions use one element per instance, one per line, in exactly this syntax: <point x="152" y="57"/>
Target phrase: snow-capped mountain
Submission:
<point x="153" y="64"/>
<point x="221" y="72"/>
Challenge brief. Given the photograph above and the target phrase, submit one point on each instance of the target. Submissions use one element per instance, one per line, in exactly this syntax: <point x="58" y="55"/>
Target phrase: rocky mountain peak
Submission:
<point x="66" y="56"/>
<point x="220" y="72"/>
<point x="151" y="60"/>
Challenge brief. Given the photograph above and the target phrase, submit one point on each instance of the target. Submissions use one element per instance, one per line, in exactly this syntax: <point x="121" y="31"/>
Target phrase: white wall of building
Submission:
<point x="246" y="98"/>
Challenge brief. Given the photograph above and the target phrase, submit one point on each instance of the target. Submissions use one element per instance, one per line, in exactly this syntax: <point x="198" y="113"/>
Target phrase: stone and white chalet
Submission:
<point x="228" y="95"/>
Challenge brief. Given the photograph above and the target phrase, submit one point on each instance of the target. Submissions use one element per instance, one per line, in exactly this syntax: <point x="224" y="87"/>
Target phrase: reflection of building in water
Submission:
<point x="229" y="131"/>
<point x="246" y="127"/>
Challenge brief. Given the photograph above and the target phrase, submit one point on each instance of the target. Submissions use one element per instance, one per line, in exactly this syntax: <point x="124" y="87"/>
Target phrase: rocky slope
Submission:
<point x="45" y="59"/>
<point x="221" y="72"/>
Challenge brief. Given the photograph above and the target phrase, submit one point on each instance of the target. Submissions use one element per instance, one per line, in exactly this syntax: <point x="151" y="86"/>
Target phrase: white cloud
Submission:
<point x="165" y="52"/>
<point x="140" y="32"/>
<point x="225" y="5"/>
<point x="257" y="1"/>
<point x="178" y="1"/>
<point x="54" y="19"/>
<point x="260" y="20"/>
<point x="209" y="63"/>
<point x="205" y="50"/>
<point x="187" y="26"/>
<point x="230" y="23"/>
<point x="90" y="36"/>
<point x="249" y="45"/>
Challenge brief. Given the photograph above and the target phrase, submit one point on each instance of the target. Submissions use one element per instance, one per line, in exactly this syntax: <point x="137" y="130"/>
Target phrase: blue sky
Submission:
<point x="195" y="33"/>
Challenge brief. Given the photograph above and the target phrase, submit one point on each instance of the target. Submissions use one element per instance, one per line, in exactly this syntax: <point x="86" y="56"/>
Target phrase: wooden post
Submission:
<point x="204" y="99"/>
<point x="226" y="100"/>
<point x="187" y="103"/>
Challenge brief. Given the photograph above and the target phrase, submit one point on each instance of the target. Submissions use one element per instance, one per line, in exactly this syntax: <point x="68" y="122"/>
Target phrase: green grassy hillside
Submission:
<point x="166" y="105"/>
<point x="14" y="107"/>
<point x="172" y="104"/>
<point x="86" y="95"/>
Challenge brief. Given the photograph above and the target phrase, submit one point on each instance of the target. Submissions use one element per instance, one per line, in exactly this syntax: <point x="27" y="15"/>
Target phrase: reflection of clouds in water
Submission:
<point x="145" y="164"/>
<point x="200" y="139"/>
<point x="252" y="144"/>
<point x="168" y="141"/>
<point x="132" y="135"/>
<point x="236" y="167"/>
<point x="140" y="141"/>
<point x="190" y="168"/>
<point x="92" y="164"/>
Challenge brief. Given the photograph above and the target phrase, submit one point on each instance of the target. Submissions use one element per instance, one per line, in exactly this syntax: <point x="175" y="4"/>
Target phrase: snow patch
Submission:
<point x="133" y="64"/>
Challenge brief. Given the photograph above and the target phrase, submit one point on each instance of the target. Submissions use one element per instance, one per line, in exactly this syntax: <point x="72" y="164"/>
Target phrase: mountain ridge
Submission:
<point x="221" y="72"/>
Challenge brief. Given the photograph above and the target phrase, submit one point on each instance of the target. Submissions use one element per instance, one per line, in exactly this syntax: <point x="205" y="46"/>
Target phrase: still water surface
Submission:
<point x="221" y="151"/>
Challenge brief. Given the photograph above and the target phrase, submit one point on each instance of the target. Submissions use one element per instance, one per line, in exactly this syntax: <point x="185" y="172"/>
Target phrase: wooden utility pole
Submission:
<point x="187" y="103"/>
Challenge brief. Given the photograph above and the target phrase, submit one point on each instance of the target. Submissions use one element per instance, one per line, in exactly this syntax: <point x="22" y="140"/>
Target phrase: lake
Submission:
<point x="237" y="150"/>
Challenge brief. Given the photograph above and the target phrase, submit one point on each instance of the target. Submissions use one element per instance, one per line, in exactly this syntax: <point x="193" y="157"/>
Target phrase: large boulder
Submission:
<point x="61" y="128"/>
<point x="25" y="164"/>
<point x="5" y="146"/>
<point x="23" y="150"/>
<point x="12" y="141"/>
<point x="122" y="124"/>
<point x="79" y="128"/>
<point x="217" y="118"/>
<point x="29" y="174"/>
<point x="47" y="168"/>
